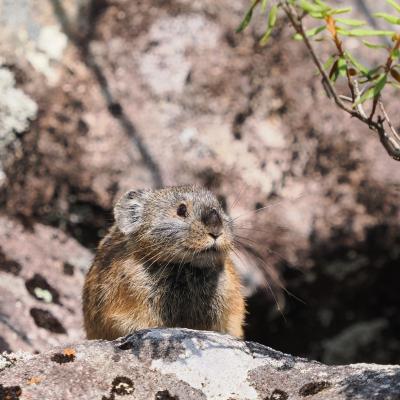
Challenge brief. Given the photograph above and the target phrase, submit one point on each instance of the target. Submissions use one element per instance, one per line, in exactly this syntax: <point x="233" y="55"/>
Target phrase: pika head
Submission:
<point x="184" y="224"/>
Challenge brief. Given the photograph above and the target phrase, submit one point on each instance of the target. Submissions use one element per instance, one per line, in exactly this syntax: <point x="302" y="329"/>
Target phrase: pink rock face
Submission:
<point x="41" y="276"/>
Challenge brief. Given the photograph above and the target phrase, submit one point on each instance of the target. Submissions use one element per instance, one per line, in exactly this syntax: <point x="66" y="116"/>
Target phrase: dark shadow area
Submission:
<point x="351" y="300"/>
<point x="4" y="346"/>
<point x="46" y="320"/>
<point x="8" y="265"/>
<point x="38" y="284"/>
<point x="47" y="176"/>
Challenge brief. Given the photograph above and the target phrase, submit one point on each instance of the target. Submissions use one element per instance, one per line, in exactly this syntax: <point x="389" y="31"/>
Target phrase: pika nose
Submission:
<point x="212" y="220"/>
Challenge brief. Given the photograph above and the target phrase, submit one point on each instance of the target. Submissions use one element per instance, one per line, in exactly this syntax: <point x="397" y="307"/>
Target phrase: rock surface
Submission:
<point x="172" y="80"/>
<point x="41" y="276"/>
<point x="172" y="364"/>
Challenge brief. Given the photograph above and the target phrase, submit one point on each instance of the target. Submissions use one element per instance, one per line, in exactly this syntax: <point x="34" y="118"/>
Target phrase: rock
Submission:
<point x="16" y="111"/>
<point x="187" y="365"/>
<point x="16" y="108"/>
<point x="41" y="276"/>
<point x="213" y="108"/>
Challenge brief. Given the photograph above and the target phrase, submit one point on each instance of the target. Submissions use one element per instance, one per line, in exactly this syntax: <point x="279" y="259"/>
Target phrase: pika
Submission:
<point x="165" y="263"/>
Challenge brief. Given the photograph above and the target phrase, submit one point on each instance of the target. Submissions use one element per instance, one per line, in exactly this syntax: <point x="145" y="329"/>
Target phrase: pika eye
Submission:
<point x="182" y="210"/>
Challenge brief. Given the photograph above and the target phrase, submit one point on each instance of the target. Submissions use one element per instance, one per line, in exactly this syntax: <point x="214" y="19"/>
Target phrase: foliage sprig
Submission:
<point x="366" y="85"/>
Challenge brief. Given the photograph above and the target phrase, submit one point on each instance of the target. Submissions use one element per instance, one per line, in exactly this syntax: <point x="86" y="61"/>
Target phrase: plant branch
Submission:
<point x="389" y="122"/>
<point x="356" y="101"/>
<point x="391" y="142"/>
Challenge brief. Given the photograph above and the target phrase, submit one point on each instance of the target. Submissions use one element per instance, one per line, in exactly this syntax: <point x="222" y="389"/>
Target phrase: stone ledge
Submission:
<point x="186" y="364"/>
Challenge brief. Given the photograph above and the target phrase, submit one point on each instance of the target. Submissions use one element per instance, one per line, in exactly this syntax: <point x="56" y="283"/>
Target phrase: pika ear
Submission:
<point x="128" y="212"/>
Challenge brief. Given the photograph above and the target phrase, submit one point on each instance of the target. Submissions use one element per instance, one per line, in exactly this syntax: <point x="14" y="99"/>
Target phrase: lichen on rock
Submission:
<point x="16" y="108"/>
<point x="16" y="111"/>
<point x="186" y="364"/>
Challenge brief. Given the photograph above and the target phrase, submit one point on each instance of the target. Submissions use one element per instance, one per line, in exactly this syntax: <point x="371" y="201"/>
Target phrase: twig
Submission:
<point x="298" y="26"/>
<point x="345" y="98"/>
<point x="389" y="122"/>
<point x="358" y="93"/>
<point x="331" y="24"/>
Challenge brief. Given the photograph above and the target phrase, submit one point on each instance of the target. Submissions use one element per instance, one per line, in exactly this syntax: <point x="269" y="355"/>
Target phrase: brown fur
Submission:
<point x="156" y="274"/>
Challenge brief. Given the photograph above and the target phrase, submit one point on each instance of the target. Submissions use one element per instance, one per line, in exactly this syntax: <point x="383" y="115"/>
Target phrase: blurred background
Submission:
<point x="101" y="96"/>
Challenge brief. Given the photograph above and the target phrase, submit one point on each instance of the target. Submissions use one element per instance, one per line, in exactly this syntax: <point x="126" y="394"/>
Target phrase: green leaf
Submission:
<point x="329" y="62"/>
<point x="394" y="4"/>
<point x="322" y="4"/>
<point x="380" y="84"/>
<point x="339" y="68"/>
<point x="374" y="90"/>
<point x="395" y="84"/>
<point x="342" y="66"/>
<point x="341" y="10"/>
<point x="247" y="18"/>
<point x="342" y="31"/>
<point x="333" y="74"/>
<point x="309" y="7"/>
<point x="350" y="22"/>
<point x="376" y="77"/>
<point x="356" y="64"/>
<point x="271" y="23"/>
<point x="387" y="17"/>
<point x="372" y="74"/>
<point x="395" y="54"/>
<point x="374" y="45"/>
<point x="317" y="15"/>
<point x="264" y="5"/>
<point x="367" y="32"/>
<point x="368" y="94"/>
<point x="272" y="16"/>
<point x="264" y="39"/>
<point x="311" y="32"/>
<point x="395" y="74"/>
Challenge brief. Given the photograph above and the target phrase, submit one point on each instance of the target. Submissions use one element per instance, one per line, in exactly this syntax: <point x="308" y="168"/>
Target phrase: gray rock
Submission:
<point x="187" y="364"/>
